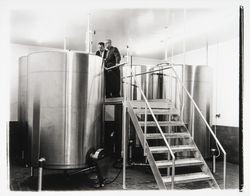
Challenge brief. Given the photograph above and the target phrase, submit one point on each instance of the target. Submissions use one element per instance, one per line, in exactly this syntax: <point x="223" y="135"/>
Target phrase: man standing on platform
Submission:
<point x="101" y="52"/>
<point x="112" y="76"/>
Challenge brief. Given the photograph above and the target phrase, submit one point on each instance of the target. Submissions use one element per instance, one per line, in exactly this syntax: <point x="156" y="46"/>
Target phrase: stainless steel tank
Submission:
<point x="198" y="81"/>
<point x="157" y="84"/>
<point x="65" y="96"/>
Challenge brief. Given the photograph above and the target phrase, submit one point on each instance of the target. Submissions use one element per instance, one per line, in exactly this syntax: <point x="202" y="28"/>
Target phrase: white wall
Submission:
<point x="224" y="60"/>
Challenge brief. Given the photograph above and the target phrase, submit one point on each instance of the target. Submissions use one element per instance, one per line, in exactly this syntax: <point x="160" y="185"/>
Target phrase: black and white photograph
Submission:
<point x="124" y="95"/>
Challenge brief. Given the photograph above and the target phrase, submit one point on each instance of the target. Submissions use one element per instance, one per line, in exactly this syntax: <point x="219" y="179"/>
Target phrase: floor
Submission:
<point x="138" y="178"/>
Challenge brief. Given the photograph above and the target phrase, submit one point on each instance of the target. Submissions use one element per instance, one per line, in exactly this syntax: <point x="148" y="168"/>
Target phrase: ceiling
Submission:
<point x="147" y="32"/>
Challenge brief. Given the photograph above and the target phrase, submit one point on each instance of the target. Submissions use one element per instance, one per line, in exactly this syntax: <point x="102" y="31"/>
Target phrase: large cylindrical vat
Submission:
<point x="65" y="96"/>
<point x="198" y="81"/>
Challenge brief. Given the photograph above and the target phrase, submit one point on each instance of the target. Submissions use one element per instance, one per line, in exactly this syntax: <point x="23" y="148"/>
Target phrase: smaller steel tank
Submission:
<point x="157" y="84"/>
<point x="132" y="90"/>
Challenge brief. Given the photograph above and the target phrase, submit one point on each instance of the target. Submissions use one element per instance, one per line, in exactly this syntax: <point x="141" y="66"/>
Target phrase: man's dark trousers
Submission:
<point x="112" y="80"/>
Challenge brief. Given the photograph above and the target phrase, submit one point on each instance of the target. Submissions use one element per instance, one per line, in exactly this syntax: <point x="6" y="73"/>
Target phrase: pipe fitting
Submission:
<point x="98" y="154"/>
<point x="213" y="151"/>
<point x="41" y="162"/>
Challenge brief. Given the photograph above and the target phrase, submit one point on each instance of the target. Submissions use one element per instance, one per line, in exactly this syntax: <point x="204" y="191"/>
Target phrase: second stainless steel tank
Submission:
<point x="65" y="96"/>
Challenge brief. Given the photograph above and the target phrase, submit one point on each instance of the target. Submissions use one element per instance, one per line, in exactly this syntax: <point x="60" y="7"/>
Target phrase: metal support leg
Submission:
<point x="214" y="166"/>
<point x="124" y="145"/>
<point x="168" y="169"/>
<point x="169" y="131"/>
<point x="145" y="132"/>
<point x="214" y="160"/>
<point x="40" y="173"/>
<point x="225" y="171"/>
<point x="31" y="171"/>
<point x="99" y="175"/>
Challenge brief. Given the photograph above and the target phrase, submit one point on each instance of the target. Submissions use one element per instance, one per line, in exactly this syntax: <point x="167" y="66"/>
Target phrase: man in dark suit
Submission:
<point x="112" y="76"/>
<point x="101" y="52"/>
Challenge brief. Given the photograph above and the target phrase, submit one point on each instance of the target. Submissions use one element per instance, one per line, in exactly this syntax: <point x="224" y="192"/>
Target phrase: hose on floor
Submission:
<point x="114" y="179"/>
<point x="117" y="175"/>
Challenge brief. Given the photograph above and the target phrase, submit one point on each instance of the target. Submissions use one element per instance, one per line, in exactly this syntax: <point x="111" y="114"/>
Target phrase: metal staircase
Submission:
<point x="167" y="143"/>
<point x="178" y="137"/>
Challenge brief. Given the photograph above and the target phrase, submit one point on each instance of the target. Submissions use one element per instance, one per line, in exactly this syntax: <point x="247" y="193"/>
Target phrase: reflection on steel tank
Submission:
<point x="65" y="97"/>
<point x="198" y="81"/>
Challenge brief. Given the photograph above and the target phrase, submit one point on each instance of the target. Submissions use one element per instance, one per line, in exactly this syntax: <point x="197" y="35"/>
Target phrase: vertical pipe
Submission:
<point x="40" y="173"/>
<point x="168" y="169"/>
<point x="171" y="84"/>
<point x="214" y="163"/>
<point x="184" y="57"/>
<point x="124" y="125"/>
<point x="130" y="96"/>
<point x="124" y="142"/>
<point x="145" y="131"/>
<point x="31" y="171"/>
<point x="166" y="44"/>
<point x="182" y="92"/>
<point x="88" y="37"/>
<point x="241" y="86"/>
<point x="192" y="121"/>
<point x="173" y="173"/>
<point x="224" y="172"/>
<point x="214" y="160"/>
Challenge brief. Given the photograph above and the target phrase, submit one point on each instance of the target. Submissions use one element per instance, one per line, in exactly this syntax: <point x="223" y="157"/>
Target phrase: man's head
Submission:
<point x="108" y="43"/>
<point x="101" y="46"/>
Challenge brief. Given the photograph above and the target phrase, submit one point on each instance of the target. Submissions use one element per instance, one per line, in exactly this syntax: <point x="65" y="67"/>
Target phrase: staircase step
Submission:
<point x="158" y="111"/>
<point x="185" y="178"/>
<point x="153" y="104"/>
<point x="179" y="163"/>
<point x="180" y="148"/>
<point x="167" y="135"/>
<point x="162" y="123"/>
